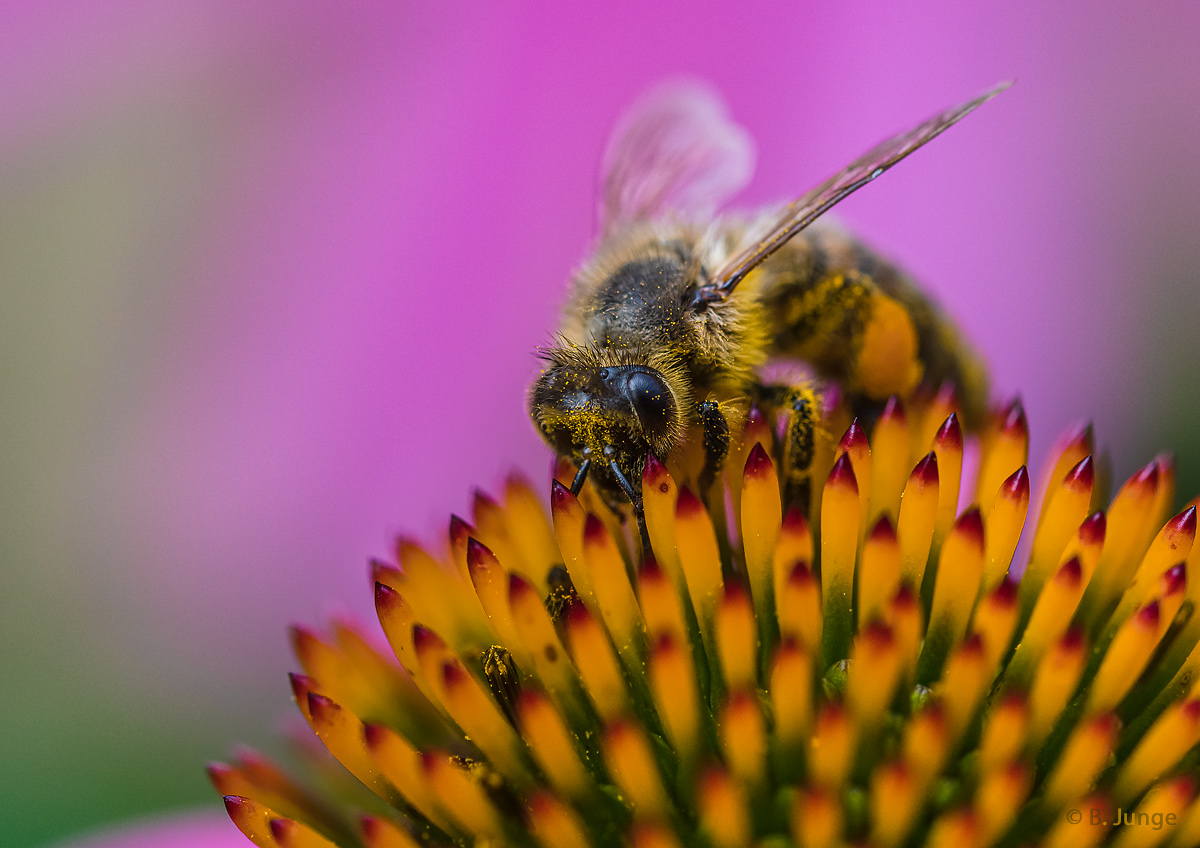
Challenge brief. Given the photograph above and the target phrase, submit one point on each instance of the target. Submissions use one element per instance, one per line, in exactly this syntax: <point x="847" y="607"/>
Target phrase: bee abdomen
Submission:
<point x="826" y="297"/>
<point x="815" y="295"/>
<point x="821" y="322"/>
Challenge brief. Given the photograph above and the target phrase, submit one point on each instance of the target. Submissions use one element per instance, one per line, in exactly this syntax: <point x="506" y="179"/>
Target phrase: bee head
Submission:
<point x="587" y="407"/>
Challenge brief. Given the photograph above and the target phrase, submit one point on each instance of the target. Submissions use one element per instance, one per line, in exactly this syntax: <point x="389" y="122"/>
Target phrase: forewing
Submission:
<point x="858" y="173"/>
<point x="675" y="150"/>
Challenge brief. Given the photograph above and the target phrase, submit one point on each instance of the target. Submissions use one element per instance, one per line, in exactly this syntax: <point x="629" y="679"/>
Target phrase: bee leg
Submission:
<point x="798" y="447"/>
<point x="716" y="444"/>
<point x="635" y="498"/>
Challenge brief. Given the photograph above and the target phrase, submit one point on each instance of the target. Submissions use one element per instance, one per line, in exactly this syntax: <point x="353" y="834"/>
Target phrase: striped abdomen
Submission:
<point x="861" y="321"/>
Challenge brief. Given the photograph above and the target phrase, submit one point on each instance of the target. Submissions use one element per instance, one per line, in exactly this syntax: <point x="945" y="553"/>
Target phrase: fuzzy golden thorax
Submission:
<point x="639" y="289"/>
<point x="638" y="350"/>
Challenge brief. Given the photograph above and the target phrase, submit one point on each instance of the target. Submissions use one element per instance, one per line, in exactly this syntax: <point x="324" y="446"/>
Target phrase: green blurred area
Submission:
<point x="70" y="767"/>
<point x="1167" y="403"/>
<point x="94" y="219"/>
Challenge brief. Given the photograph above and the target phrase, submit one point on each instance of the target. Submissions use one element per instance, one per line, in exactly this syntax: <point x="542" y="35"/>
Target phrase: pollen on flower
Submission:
<point x="875" y="670"/>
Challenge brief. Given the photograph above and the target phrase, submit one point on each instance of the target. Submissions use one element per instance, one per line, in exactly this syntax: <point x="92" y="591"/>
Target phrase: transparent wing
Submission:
<point x="675" y="150"/>
<point x="858" y="173"/>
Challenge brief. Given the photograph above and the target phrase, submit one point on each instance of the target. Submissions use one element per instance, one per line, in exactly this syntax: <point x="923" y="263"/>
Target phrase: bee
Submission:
<point x="671" y="319"/>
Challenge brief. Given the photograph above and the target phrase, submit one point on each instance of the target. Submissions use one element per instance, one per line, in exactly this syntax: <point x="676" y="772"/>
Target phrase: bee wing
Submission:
<point x="675" y="150"/>
<point x="858" y="173"/>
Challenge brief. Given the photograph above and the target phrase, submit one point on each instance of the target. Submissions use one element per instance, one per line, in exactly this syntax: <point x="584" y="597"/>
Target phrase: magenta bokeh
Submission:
<point x="325" y="338"/>
<point x="348" y="355"/>
<point x="195" y="830"/>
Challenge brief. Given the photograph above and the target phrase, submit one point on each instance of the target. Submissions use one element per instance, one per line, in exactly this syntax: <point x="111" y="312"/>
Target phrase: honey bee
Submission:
<point x="671" y="320"/>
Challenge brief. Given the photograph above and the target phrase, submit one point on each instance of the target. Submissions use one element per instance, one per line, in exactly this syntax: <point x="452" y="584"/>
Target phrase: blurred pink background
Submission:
<point x="273" y="273"/>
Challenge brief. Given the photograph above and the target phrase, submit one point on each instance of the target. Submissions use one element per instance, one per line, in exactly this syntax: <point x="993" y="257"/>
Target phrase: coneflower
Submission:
<point x="878" y="671"/>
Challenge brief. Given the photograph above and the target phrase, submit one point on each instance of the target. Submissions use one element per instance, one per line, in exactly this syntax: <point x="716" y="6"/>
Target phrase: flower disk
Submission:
<point x="878" y="671"/>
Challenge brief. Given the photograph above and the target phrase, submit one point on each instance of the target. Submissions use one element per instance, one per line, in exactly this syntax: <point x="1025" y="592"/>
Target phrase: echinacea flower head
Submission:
<point x="876" y="670"/>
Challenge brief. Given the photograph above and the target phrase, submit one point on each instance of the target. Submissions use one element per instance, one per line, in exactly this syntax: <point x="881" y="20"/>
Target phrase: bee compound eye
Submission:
<point x="650" y="397"/>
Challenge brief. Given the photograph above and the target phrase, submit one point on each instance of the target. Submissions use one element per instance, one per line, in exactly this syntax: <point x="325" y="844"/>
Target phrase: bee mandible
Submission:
<point x="672" y="318"/>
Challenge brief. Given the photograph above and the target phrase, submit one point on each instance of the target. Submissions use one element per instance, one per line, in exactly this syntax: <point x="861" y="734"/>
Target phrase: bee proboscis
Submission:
<point x="672" y="318"/>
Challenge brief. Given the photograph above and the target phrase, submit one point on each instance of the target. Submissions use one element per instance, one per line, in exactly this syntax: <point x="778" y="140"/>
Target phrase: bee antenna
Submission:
<point x="580" y="477"/>
<point x="634" y="498"/>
